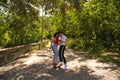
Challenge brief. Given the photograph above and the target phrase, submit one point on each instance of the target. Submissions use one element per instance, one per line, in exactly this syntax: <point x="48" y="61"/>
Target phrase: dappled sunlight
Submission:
<point x="44" y="74"/>
<point x="32" y="60"/>
<point x="73" y="65"/>
<point x="35" y="59"/>
<point x="38" y="66"/>
<point x="98" y="69"/>
<point x="88" y="31"/>
<point x="20" y="77"/>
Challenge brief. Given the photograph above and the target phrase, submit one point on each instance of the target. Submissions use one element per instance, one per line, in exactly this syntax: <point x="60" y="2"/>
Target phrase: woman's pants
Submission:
<point x="61" y="53"/>
<point x="54" y="48"/>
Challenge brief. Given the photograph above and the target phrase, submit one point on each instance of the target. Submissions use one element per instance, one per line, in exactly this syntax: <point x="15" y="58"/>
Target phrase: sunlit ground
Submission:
<point x="38" y="66"/>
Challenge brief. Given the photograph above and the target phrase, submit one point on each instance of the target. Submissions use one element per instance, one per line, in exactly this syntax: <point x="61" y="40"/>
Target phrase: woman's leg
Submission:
<point x="61" y="53"/>
<point x="60" y="57"/>
<point x="54" y="48"/>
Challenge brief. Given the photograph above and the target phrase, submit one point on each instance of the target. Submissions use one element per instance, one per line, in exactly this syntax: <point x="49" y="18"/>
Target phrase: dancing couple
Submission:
<point x="59" y="39"/>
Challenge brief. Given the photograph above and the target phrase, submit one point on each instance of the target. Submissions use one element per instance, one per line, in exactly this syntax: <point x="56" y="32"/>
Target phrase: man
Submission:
<point x="62" y="40"/>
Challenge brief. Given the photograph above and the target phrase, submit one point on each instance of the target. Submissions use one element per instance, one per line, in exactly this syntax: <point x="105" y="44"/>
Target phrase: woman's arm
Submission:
<point x="52" y="41"/>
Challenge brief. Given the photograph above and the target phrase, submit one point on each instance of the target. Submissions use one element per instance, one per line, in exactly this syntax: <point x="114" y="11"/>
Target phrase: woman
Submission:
<point x="63" y="39"/>
<point x="54" y="46"/>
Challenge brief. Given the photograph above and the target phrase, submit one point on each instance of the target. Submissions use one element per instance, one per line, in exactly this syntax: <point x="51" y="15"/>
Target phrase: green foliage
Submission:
<point x="19" y="23"/>
<point x="4" y="22"/>
<point x="91" y="25"/>
<point x="102" y="20"/>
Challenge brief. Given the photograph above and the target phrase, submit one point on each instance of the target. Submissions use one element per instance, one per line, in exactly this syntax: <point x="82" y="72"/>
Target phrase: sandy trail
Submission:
<point x="38" y="67"/>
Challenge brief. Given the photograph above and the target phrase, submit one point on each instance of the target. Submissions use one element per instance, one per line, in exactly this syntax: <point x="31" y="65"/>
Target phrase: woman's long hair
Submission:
<point x="56" y="33"/>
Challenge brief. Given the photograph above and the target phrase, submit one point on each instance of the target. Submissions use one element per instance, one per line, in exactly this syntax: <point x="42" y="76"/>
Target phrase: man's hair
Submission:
<point x="59" y="32"/>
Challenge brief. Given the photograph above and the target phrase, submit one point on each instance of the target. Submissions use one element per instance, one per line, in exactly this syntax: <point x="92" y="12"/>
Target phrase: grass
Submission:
<point x="107" y="57"/>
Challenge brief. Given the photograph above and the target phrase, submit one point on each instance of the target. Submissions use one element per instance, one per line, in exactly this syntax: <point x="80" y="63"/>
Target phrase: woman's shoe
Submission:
<point x="54" y="65"/>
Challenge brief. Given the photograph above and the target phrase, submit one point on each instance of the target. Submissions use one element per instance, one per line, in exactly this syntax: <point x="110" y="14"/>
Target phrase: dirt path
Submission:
<point x="38" y="67"/>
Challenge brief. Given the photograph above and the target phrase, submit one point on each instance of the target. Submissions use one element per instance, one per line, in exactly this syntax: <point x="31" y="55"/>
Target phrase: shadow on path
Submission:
<point x="38" y="67"/>
<point x="43" y="72"/>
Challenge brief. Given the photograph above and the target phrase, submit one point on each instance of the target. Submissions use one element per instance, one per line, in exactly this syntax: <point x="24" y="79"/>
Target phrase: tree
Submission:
<point x="23" y="24"/>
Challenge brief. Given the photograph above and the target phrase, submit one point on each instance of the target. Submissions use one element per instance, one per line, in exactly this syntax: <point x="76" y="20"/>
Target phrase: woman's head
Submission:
<point x="56" y="34"/>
